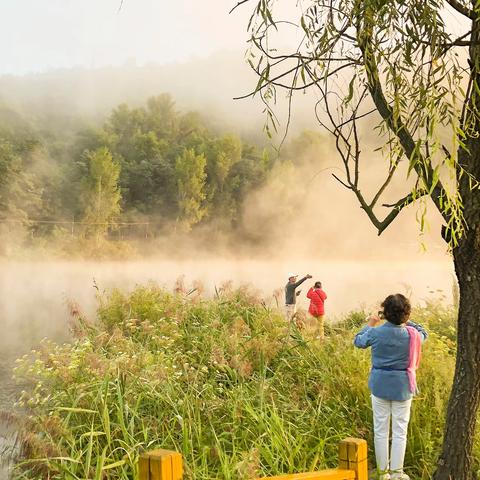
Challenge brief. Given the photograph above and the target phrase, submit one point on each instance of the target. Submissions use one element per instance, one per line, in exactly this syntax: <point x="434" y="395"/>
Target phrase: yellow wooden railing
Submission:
<point x="352" y="465"/>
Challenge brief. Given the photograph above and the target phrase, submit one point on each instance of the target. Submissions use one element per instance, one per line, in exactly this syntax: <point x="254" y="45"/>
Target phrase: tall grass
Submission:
<point x="223" y="381"/>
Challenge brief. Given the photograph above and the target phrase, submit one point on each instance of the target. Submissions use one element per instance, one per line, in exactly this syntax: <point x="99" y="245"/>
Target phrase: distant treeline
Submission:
<point x="149" y="164"/>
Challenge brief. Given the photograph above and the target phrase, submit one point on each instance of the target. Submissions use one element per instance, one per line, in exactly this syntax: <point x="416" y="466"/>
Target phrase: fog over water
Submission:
<point x="34" y="296"/>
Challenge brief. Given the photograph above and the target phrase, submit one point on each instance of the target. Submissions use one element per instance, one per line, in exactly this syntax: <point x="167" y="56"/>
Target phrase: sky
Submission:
<point x="38" y="35"/>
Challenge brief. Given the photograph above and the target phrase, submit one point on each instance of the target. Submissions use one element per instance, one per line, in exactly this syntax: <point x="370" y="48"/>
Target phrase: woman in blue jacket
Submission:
<point x="392" y="379"/>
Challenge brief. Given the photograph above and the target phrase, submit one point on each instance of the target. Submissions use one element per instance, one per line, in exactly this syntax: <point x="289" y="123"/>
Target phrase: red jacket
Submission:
<point x="317" y="299"/>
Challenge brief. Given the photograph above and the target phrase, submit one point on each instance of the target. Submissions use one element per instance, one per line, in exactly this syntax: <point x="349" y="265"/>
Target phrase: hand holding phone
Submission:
<point x="373" y="320"/>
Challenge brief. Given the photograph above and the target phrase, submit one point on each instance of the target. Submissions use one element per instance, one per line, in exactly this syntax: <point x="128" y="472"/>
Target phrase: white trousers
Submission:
<point x="290" y="311"/>
<point x="399" y="413"/>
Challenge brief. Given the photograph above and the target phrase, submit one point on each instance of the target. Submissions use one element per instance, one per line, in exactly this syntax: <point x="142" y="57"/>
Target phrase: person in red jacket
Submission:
<point x="317" y="307"/>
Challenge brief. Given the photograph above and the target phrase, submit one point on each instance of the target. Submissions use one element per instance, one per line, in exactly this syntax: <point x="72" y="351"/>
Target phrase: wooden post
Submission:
<point x="353" y="455"/>
<point x="160" y="465"/>
<point x="331" y="474"/>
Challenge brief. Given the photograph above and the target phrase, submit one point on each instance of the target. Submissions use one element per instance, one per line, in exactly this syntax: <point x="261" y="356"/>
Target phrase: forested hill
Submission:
<point x="152" y="168"/>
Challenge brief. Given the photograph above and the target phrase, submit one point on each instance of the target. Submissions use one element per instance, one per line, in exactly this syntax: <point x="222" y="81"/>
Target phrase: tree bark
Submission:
<point x="456" y="461"/>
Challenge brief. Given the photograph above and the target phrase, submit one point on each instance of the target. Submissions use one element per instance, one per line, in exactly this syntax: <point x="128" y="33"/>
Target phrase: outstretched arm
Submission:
<point x="306" y="277"/>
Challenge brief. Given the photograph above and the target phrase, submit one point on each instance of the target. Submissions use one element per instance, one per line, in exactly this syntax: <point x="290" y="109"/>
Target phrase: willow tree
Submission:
<point x="413" y="68"/>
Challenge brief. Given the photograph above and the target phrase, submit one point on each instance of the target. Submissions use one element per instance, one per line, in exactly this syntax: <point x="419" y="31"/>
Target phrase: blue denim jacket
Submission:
<point x="390" y="345"/>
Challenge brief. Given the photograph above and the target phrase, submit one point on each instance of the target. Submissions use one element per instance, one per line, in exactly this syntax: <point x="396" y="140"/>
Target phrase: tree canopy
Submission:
<point x="392" y="63"/>
<point x="150" y="164"/>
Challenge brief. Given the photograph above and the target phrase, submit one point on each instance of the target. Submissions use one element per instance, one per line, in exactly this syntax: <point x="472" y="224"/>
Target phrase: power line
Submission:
<point x="67" y="222"/>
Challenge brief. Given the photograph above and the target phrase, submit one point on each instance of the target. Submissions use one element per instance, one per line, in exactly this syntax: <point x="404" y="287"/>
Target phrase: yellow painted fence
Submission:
<point x="352" y="465"/>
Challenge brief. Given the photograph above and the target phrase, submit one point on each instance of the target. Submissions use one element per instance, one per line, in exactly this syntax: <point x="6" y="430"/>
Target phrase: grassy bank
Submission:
<point x="220" y="380"/>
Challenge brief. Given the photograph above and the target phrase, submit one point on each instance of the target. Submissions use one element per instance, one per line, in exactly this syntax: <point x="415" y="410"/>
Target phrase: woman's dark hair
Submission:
<point x="318" y="285"/>
<point x="396" y="308"/>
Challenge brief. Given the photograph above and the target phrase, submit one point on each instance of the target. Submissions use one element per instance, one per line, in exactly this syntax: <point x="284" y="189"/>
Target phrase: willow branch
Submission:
<point x="237" y="5"/>
<point x="393" y="168"/>
<point x="460" y="8"/>
<point x="422" y="167"/>
<point x="294" y="70"/>
<point x="406" y="200"/>
<point x="396" y="208"/>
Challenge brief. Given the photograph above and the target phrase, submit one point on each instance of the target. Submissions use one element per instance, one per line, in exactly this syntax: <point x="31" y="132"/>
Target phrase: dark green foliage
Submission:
<point x="44" y="174"/>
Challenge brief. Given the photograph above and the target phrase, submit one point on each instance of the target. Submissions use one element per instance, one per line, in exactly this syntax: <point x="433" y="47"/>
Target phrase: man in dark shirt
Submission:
<point x="291" y="294"/>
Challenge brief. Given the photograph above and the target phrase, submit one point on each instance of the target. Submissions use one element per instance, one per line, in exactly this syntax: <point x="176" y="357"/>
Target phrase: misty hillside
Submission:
<point x="178" y="152"/>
